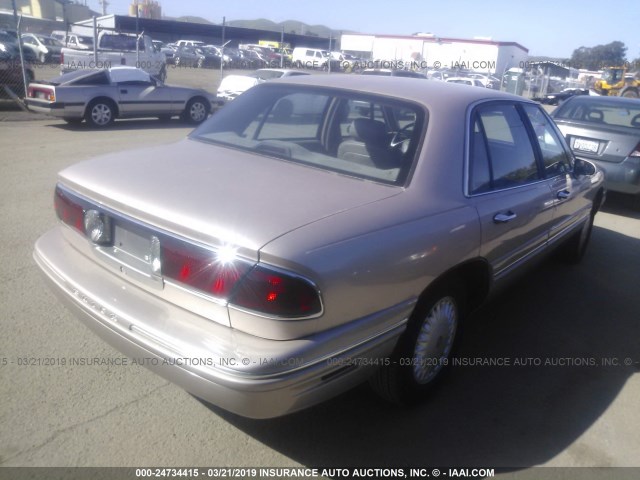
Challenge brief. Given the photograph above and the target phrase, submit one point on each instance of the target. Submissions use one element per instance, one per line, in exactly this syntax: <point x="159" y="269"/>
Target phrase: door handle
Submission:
<point x="563" y="194"/>
<point x="124" y="91"/>
<point x="504" y="217"/>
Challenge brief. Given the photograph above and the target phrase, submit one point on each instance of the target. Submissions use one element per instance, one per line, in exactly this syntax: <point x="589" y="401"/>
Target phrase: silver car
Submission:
<point x="605" y="131"/>
<point x="101" y="96"/>
<point x="316" y="232"/>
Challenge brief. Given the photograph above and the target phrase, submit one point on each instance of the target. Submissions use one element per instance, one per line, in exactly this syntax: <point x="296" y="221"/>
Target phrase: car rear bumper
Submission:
<point x="247" y="375"/>
<point x="40" y="106"/>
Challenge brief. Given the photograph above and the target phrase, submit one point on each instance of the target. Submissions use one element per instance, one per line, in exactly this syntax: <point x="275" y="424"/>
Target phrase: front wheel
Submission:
<point x="101" y="113"/>
<point x="630" y="92"/>
<point x="197" y="111"/>
<point x="423" y="353"/>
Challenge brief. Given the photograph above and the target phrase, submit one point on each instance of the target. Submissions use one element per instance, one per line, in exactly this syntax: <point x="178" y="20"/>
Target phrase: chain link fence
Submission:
<point x="16" y="69"/>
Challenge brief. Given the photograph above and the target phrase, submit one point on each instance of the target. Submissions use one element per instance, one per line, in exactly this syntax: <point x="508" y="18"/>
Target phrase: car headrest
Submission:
<point x="368" y="131"/>
<point x="595" y="116"/>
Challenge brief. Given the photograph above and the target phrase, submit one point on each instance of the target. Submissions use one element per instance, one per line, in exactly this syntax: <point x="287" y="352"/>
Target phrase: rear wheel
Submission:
<point x="100" y="113"/>
<point x="423" y="353"/>
<point x="197" y="111"/>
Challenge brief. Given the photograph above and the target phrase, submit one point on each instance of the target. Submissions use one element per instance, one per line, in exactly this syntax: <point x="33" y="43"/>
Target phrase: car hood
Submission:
<point x="218" y="195"/>
<point x="237" y="83"/>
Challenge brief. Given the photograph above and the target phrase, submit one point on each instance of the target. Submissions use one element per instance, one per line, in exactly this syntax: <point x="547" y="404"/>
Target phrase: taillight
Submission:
<point x="273" y="292"/>
<point x="68" y="211"/>
<point x="636" y="151"/>
<point x="224" y="275"/>
<point x="214" y="272"/>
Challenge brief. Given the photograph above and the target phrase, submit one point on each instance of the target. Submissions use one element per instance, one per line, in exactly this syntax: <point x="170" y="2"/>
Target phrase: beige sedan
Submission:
<point x="316" y="232"/>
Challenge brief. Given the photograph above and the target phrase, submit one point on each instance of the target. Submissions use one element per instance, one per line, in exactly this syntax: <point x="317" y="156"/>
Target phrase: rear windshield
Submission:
<point x="71" y="76"/>
<point x="363" y="136"/>
<point x="620" y="114"/>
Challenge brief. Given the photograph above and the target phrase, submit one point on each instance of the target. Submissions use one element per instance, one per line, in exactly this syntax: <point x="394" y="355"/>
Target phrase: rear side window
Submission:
<point x="501" y="153"/>
<point x="100" y="78"/>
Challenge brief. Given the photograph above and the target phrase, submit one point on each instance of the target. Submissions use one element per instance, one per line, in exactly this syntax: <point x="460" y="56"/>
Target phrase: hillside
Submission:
<point x="290" y="26"/>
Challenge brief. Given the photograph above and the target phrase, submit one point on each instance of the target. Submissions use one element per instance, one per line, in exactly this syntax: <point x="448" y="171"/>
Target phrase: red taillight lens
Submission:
<point x="202" y="269"/>
<point x="68" y="211"/>
<point x="276" y="293"/>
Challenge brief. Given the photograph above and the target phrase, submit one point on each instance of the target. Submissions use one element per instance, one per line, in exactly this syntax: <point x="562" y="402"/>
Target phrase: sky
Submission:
<point x="553" y="28"/>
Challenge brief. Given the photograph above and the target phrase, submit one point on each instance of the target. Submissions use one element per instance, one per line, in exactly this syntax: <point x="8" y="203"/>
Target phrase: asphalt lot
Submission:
<point x="571" y="410"/>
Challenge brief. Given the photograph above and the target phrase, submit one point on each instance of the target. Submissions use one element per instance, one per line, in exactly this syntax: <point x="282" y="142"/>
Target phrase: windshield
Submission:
<point x="363" y="136"/>
<point x="49" y="41"/>
<point x="265" y="74"/>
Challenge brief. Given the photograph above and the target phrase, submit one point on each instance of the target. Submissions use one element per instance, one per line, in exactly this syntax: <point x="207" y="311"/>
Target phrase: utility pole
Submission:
<point x="104" y="4"/>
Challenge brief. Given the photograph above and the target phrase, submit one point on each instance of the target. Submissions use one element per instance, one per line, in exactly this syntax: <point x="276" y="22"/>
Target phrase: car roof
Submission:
<point x="440" y="95"/>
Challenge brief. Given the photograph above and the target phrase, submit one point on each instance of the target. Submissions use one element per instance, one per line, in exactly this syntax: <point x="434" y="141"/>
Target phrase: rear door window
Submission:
<point x="501" y="153"/>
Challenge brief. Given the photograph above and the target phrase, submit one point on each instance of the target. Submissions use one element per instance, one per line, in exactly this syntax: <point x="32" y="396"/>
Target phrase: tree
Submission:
<point x="599" y="57"/>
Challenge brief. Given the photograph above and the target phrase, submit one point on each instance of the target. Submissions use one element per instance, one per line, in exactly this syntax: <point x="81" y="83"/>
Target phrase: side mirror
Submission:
<point x="584" y="168"/>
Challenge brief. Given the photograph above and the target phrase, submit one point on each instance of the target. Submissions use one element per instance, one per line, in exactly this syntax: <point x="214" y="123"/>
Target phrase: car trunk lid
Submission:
<point x="218" y="196"/>
<point x="605" y="144"/>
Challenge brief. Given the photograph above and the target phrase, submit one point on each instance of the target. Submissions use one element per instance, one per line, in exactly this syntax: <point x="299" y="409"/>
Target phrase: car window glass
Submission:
<point x="130" y="76"/>
<point x="369" y="137"/>
<point x="511" y="155"/>
<point x="293" y="116"/>
<point x="554" y="157"/>
<point x="620" y="113"/>
<point x="100" y="78"/>
<point x="480" y="173"/>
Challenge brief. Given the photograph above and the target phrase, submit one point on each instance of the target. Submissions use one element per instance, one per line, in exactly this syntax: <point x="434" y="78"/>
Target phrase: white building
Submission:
<point x="430" y="51"/>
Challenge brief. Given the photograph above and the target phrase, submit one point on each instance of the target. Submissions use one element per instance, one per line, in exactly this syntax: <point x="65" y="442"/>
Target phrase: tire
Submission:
<point x="423" y="353"/>
<point x="42" y="58"/>
<point x="574" y="249"/>
<point x="196" y="111"/>
<point x="100" y="113"/>
<point x="629" y="92"/>
<point x="176" y="61"/>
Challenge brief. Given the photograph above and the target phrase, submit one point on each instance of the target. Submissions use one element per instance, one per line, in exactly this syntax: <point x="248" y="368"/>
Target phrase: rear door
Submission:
<point x="569" y="191"/>
<point x="507" y="185"/>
